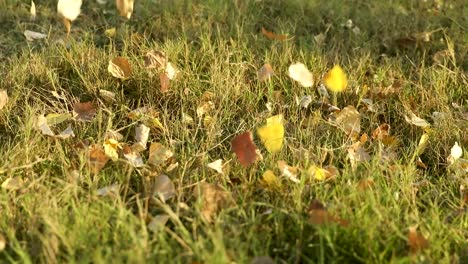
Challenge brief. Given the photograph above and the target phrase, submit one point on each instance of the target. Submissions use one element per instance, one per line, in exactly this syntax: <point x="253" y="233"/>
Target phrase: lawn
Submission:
<point x="165" y="139"/>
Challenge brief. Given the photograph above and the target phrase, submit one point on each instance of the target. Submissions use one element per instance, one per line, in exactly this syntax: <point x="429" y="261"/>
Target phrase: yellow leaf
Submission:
<point x="270" y="180"/>
<point x="110" y="33"/>
<point x="335" y="79"/>
<point x="125" y="8"/>
<point x="110" y="148"/>
<point x="317" y="173"/>
<point x="272" y="134"/>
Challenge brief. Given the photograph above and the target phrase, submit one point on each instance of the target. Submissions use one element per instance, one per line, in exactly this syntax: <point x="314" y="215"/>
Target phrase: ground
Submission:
<point x="351" y="194"/>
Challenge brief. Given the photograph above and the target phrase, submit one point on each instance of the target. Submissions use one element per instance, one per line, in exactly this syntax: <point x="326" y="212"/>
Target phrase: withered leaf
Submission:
<point x="416" y="241"/>
<point x="273" y="36"/>
<point x="97" y="158"/>
<point x="120" y="68"/>
<point x="214" y="198"/>
<point x="84" y="111"/>
<point x="318" y="215"/>
<point x="245" y="148"/>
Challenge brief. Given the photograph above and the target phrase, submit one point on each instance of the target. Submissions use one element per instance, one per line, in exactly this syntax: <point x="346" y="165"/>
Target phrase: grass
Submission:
<point x="54" y="217"/>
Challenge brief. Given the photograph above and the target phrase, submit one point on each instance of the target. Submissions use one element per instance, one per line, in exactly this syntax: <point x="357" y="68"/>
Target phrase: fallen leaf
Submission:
<point x="273" y="36"/>
<point x="382" y="131"/>
<point x="272" y="134"/>
<point x="164" y="82"/>
<point x="335" y="80"/>
<point x="159" y="154"/>
<point x="133" y="157"/>
<point x="349" y="119"/>
<point x="321" y="174"/>
<point x="204" y="108"/>
<point x="304" y="102"/>
<point x="32" y="35"/>
<point x="270" y="180"/>
<point x="216" y="165"/>
<point x="356" y="154"/>
<point x="32" y="10"/>
<point x="68" y="132"/>
<point x="107" y="96"/>
<point x="41" y="124"/>
<point x="265" y="72"/>
<point x="416" y="241"/>
<point x="245" y="148"/>
<point x="54" y="119"/>
<point x="288" y="171"/>
<point x="299" y="73"/>
<point x="318" y="215"/>
<point x="141" y="137"/>
<point x="171" y="71"/>
<point x="422" y="143"/>
<point x="155" y="60"/>
<point x="213" y="199"/>
<point x="97" y="158"/>
<point x="84" y="111"/>
<point x="158" y="222"/>
<point x="456" y="152"/>
<point x="417" y="121"/>
<point x="120" y="68"/>
<point x="163" y="188"/>
<point x="125" y="8"/>
<point x="69" y="11"/>
<point x="111" y="147"/>
<point x="3" y="98"/>
<point x="110" y="32"/>
<point x="146" y="115"/>
<point x="13" y="184"/>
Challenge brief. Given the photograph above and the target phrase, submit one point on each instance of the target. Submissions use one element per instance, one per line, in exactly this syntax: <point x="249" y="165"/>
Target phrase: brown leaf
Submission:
<point x="245" y="148"/>
<point x="265" y="72"/>
<point x="382" y="131"/>
<point x="273" y="36"/>
<point x="97" y="158"/>
<point x="214" y="198"/>
<point x="84" y="111"/>
<point x="164" y="188"/>
<point x="155" y="59"/>
<point x="164" y="81"/>
<point x="120" y="68"/>
<point x="318" y="215"/>
<point x="416" y="241"/>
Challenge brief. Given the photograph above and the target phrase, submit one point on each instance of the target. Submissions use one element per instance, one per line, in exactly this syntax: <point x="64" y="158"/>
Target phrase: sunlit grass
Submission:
<point x="218" y="47"/>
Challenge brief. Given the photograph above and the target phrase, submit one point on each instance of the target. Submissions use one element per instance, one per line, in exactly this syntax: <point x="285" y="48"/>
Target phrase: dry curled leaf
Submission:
<point x="141" y="137"/>
<point x="120" y="68"/>
<point x="84" y="111"/>
<point x="97" y="158"/>
<point x="417" y="121"/>
<point x="164" y="82"/>
<point x="155" y="60"/>
<point x="265" y="72"/>
<point x="213" y="198"/>
<point x="288" y="171"/>
<point x="245" y="148"/>
<point x="13" y="184"/>
<point x="273" y="36"/>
